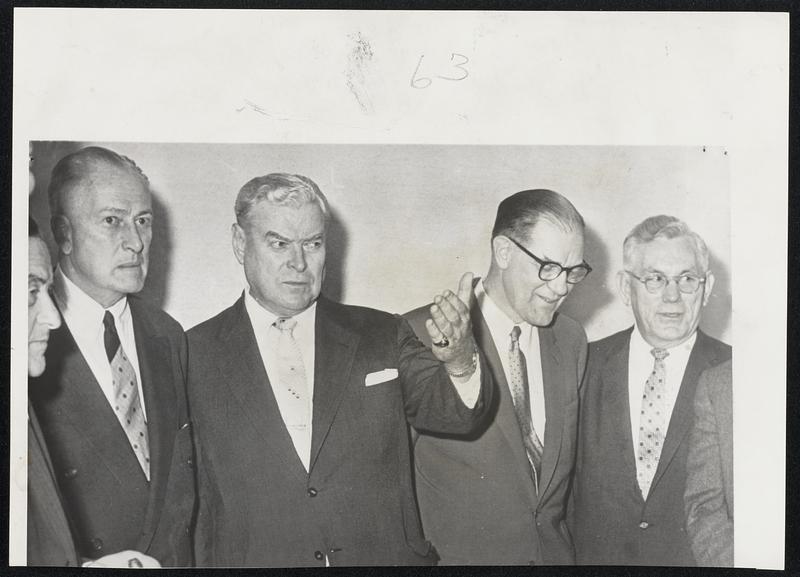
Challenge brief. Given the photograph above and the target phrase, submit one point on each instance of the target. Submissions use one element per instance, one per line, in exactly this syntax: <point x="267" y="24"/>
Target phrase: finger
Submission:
<point x="465" y="289"/>
<point x="461" y="309"/>
<point x="448" y="307"/>
<point x="440" y="319"/>
<point x="433" y="331"/>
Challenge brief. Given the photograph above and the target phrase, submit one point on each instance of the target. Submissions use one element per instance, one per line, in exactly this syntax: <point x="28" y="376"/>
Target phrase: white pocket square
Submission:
<point x="379" y="377"/>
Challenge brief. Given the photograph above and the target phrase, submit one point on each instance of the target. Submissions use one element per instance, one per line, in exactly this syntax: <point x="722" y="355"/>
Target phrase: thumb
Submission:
<point x="465" y="289"/>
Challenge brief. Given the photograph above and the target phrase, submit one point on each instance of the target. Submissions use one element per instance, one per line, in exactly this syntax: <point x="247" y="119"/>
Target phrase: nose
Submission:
<point x="559" y="284"/>
<point x="49" y="314"/>
<point x="133" y="239"/>
<point x="297" y="259"/>
<point x="671" y="292"/>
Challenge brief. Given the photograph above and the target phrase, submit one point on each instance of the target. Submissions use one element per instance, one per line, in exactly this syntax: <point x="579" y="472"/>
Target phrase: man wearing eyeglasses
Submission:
<point x="498" y="497"/>
<point x="637" y="404"/>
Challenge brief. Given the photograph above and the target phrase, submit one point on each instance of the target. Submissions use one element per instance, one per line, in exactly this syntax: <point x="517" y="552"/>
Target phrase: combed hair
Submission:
<point x="662" y="226"/>
<point x="279" y="188"/>
<point x="78" y="167"/>
<point x="520" y="212"/>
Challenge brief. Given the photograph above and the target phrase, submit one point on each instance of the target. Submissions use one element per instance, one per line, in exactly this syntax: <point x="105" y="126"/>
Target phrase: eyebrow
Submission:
<point x="36" y="278"/>
<point x="273" y="234"/>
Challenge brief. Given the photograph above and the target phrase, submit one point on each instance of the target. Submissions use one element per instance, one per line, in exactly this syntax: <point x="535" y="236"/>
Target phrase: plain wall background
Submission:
<point x="409" y="219"/>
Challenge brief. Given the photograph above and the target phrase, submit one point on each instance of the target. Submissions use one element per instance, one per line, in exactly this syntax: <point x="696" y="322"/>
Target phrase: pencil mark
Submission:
<point x="355" y="74"/>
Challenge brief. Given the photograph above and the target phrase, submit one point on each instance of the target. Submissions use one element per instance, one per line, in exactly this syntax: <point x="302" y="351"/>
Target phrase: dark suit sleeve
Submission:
<point x="431" y="401"/>
<point x="709" y="524"/>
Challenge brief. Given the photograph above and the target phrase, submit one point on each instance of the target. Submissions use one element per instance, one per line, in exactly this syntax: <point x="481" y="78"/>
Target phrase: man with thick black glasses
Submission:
<point x="637" y="404"/>
<point x="498" y="497"/>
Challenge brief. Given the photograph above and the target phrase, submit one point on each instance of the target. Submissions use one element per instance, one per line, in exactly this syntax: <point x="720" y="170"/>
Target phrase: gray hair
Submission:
<point x="280" y="189"/>
<point x="79" y="167"/>
<point x="662" y="226"/>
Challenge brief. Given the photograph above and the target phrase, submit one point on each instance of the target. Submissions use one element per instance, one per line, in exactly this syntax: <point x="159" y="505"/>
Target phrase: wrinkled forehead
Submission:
<point x="107" y="185"/>
<point x="667" y="255"/>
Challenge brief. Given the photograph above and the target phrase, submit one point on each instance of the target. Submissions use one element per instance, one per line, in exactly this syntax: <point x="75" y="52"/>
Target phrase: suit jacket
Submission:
<point x="709" y="469"/>
<point x="49" y="536"/>
<point x="106" y="495"/>
<point x="355" y="506"/>
<point x="477" y="498"/>
<point x="612" y="523"/>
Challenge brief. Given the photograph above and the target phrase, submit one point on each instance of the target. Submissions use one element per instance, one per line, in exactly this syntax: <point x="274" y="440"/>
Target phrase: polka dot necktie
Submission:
<point x="652" y="422"/>
<point x="520" y="395"/>
<point x="293" y="388"/>
<point x="127" y="404"/>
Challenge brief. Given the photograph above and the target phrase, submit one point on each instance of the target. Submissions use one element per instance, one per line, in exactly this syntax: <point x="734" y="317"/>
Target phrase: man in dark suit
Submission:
<point x="301" y="404"/>
<point x="709" y="466"/>
<point x="498" y="497"/>
<point x="111" y="401"/>
<point x="637" y="404"/>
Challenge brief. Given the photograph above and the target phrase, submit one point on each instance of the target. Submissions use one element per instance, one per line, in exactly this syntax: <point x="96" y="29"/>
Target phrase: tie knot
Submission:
<point x="515" y="332"/>
<point x="108" y="320"/>
<point x="660" y="354"/>
<point x="285" y="324"/>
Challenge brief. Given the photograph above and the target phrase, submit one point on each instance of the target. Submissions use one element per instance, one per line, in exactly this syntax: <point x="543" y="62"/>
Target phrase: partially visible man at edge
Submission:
<point x="301" y="405"/>
<point x="637" y="404"/>
<point x="111" y="400"/>
<point x="499" y="496"/>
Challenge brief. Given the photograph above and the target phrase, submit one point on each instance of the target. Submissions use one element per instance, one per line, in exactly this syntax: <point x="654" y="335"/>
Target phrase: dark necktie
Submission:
<point x="652" y="422"/>
<point x="127" y="404"/>
<point x="520" y="394"/>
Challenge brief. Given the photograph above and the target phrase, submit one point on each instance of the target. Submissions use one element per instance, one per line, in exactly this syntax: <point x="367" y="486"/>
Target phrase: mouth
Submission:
<point x="131" y="265"/>
<point x="549" y="301"/>
<point x="671" y="316"/>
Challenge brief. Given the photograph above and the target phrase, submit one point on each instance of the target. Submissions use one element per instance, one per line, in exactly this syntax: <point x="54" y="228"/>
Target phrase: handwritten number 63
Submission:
<point x="458" y="62"/>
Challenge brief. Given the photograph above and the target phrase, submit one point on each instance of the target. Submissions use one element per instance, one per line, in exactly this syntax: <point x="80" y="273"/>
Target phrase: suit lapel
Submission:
<point x="554" y="404"/>
<point x="242" y="369"/>
<point x="335" y="349"/>
<point x="683" y="413"/>
<point x="504" y="415"/>
<point x="153" y="351"/>
<point x="616" y="406"/>
<point x="81" y="395"/>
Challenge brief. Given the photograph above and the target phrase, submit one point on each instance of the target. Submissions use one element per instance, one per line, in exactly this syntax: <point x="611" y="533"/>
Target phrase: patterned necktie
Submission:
<point x="127" y="404"/>
<point x="520" y="394"/>
<point x="652" y="422"/>
<point x="294" y="386"/>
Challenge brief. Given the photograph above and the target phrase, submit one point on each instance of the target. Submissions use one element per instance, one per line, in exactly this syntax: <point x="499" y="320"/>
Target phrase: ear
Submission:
<point x="62" y="232"/>
<point x="709" y="286"/>
<point x="239" y="242"/>
<point x="501" y="251"/>
<point x="624" y="286"/>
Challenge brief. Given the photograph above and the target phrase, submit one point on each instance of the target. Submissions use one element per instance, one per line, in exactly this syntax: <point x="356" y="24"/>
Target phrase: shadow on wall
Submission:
<point x="716" y="319"/>
<point x="157" y="284"/>
<point x="592" y="295"/>
<point x="335" y="259"/>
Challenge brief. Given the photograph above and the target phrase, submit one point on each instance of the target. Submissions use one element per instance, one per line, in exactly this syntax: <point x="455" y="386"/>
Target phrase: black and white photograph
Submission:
<point x="404" y="323"/>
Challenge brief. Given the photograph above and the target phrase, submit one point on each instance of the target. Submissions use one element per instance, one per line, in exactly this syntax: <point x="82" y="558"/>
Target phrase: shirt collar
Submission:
<point x="80" y="308"/>
<point x="641" y="347"/>
<point x="261" y="317"/>
<point x="498" y="321"/>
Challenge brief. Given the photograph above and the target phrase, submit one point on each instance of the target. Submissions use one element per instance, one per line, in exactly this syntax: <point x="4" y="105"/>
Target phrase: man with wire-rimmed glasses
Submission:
<point x="498" y="497"/>
<point x="637" y="404"/>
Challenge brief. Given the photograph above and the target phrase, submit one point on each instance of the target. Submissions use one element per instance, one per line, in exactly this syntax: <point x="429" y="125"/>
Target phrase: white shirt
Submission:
<point x="304" y="334"/>
<point x="640" y="365"/>
<point x="500" y="327"/>
<point x="84" y="318"/>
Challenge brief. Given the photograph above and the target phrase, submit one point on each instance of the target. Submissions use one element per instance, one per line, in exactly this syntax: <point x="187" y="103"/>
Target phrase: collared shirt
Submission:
<point x="84" y="318"/>
<point x="500" y="326"/>
<point x="304" y="334"/>
<point x="640" y="365"/>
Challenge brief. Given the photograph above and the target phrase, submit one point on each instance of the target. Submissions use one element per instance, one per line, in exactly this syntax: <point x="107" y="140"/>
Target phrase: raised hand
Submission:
<point x="450" y="327"/>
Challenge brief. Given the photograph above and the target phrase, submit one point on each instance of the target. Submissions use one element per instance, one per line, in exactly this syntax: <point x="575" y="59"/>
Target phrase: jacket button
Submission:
<point x="312" y="492"/>
<point x="70" y="473"/>
<point x="97" y="544"/>
<point x="190" y="462"/>
<point x="644" y="525"/>
<point x="318" y="555"/>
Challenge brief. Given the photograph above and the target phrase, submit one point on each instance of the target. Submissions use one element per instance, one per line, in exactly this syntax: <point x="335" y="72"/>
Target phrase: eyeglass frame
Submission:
<point x="542" y="263"/>
<point x="700" y="281"/>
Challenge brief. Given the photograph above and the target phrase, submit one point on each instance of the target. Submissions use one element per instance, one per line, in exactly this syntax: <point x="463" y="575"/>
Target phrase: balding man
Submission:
<point x="111" y="401"/>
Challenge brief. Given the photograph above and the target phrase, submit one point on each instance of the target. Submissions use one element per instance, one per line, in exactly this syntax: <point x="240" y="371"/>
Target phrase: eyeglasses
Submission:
<point x="549" y="270"/>
<point x="656" y="282"/>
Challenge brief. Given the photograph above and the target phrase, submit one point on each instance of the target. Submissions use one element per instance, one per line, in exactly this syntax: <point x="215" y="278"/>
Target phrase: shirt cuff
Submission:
<point x="469" y="388"/>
